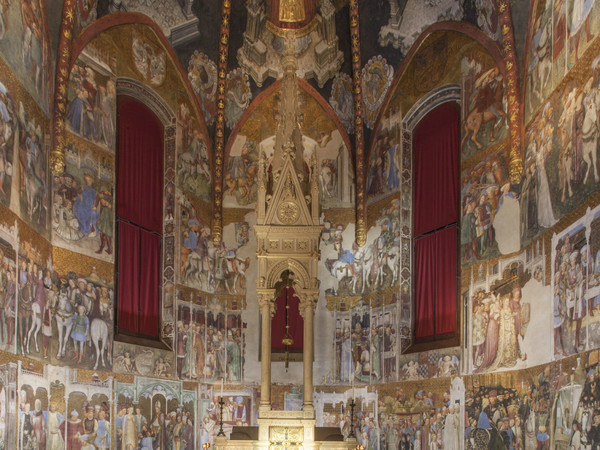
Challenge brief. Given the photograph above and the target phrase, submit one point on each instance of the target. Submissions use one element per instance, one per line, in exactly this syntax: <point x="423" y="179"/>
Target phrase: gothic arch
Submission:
<point x="147" y="96"/>
<point x="302" y="279"/>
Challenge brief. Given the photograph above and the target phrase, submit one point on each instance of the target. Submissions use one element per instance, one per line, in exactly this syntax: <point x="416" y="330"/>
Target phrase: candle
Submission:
<point x="221" y="387"/>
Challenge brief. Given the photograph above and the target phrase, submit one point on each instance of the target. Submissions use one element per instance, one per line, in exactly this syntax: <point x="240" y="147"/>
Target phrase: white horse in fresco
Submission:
<point x="36" y="319"/>
<point x="64" y="322"/>
<point x="340" y="270"/>
<point x="99" y="336"/>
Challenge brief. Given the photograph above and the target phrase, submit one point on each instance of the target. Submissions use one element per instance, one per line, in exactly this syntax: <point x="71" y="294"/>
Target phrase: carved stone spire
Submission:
<point x="289" y="120"/>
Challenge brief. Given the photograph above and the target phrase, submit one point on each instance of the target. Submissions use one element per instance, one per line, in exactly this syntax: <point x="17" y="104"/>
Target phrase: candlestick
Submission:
<point x="221" y="403"/>
<point x="352" y="405"/>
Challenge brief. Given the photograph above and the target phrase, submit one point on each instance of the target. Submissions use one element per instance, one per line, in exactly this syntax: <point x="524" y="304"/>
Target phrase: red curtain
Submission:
<point x="295" y="321"/>
<point x="436" y="152"/>
<point x="140" y="166"/>
<point x="129" y="267"/>
<point x="436" y="160"/>
<point x="425" y="289"/>
<point x="446" y="256"/>
<point x="149" y="282"/>
<point x="139" y="212"/>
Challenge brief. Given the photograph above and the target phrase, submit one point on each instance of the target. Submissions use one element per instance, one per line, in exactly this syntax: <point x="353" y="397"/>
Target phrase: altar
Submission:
<point x="288" y="231"/>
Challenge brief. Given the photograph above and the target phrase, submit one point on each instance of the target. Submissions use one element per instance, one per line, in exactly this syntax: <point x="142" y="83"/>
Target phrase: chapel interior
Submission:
<point x="287" y="224"/>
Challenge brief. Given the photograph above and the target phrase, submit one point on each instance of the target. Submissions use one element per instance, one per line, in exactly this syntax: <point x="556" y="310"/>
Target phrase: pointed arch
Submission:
<point x="302" y="279"/>
<point x="460" y="27"/>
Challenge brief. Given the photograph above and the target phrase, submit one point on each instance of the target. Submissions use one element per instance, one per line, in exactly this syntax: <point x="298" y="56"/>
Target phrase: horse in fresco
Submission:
<point x="100" y="338"/>
<point x="36" y="325"/>
<point x="63" y="314"/>
<point x="488" y="108"/>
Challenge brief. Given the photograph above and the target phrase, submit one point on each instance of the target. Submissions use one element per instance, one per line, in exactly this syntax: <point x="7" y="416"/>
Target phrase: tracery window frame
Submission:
<point x="146" y="96"/>
<point x="449" y="93"/>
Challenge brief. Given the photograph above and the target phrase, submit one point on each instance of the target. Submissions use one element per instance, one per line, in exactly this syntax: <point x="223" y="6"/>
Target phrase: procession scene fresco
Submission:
<point x="239" y="409"/>
<point x="8" y="133"/>
<point x="92" y="97"/>
<point x="366" y="344"/>
<point x="575" y="287"/>
<point x="484" y="106"/>
<point x="149" y="414"/>
<point x="82" y="203"/>
<point x="217" y="268"/>
<point x="209" y="343"/>
<point x="561" y="32"/>
<point x="490" y="210"/>
<point x="374" y="267"/>
<point x="25" y="46"/>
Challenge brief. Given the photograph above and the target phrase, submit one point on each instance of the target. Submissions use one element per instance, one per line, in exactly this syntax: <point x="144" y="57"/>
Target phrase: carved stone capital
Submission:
<point x="308" y="302"/>
<point x="266" y="299"/>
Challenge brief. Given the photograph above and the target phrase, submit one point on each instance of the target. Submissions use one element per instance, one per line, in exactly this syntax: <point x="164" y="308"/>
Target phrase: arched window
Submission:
<point x="287" y="322"/>
<point x="435" y="228"/>
<point x="139" y="218"/>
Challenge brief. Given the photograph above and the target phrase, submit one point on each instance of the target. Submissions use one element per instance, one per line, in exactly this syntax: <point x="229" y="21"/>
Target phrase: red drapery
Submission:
<point x="436" y="169"/>
<point x="445" y="314"/>
<point x="140" y="166"/>
<point x="149" y="282"/>
<point x="139" y="212"/>
<point x="294" y="320"/>
<point x="129" y="286"/>
<point x="425" y="272"/>
<point x="436" y="158"/>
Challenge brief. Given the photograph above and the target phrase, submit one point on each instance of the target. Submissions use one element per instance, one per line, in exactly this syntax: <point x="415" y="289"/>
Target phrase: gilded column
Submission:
<point x="308" y="303"/>
<point x="361" y="206"/>
<point x="512" y="84"/>
<point x="266" y="302"/>
<point x="57" y="154"/>
<point x="217" y="227"/>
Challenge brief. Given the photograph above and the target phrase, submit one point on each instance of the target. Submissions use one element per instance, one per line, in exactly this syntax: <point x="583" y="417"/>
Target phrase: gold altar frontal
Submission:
<point x="285" y="430"/>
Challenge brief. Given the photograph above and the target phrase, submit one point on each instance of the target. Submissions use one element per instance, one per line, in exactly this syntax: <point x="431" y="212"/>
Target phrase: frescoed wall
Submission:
<point x="25" y="46"/>
<point x="148" y="411"/>
<point x="525" y="370"/>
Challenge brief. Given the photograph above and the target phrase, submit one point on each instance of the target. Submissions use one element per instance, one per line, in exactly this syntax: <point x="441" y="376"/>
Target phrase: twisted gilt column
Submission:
<point x="511" y="83"/>
<point x="266" y="302"/>
<point x="308" y="303"/>
<point x="359" y="138"/>
<point x="63" y="68"/>
<point x="217" y="224"/>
